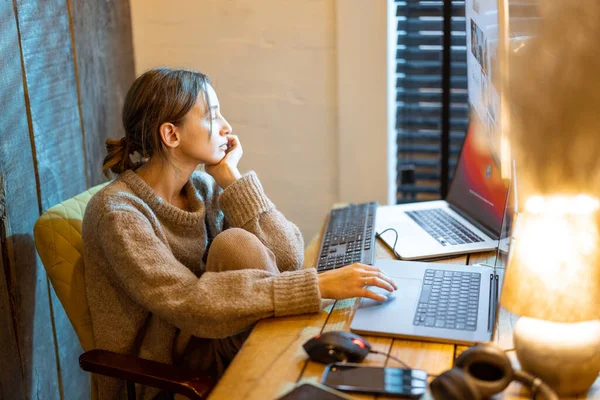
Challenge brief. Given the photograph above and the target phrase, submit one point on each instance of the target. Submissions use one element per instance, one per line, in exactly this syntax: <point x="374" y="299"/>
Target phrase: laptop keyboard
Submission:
<point x="442" y="227"/>
<point x="449" y="299"/>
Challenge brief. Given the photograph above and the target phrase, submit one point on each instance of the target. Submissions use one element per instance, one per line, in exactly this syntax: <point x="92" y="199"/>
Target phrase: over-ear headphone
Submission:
<point x="480" y="372"/>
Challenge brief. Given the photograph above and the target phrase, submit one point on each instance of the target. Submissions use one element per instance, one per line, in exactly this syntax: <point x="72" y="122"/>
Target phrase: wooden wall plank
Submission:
<point x="105" y="66"/>
<point x="10" y="373"/>
<point x="51" y="96"/>
<point x="104" y="69"/>
<point x="49" y="65"/>
<point x="26" y="280"/>
<point x="49" y="69"/>
<point x="76" y="383"/>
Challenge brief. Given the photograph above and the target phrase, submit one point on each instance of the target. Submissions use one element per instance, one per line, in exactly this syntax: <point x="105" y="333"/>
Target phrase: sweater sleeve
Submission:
<point x="218" y="304"/>
<point x="246" y="206"/>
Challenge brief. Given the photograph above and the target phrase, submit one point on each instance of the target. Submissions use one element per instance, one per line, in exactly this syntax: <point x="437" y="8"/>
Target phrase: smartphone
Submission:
<point x="313" y="391"/>
<point x="378" y="380"/>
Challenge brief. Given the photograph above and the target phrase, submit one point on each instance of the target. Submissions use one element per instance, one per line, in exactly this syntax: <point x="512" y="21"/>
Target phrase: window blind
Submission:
<point x="419" y="64"/>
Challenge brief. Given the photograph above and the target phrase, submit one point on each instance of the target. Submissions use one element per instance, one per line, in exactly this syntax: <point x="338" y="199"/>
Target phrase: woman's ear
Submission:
<point x="169" y="134"/>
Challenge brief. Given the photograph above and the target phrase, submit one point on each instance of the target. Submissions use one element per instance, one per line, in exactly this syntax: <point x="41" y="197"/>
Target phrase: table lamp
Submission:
<point x="552" y="282"/>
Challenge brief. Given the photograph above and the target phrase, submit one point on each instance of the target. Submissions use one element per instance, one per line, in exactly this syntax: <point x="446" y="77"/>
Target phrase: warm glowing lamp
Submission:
<point x="553" y="282"/>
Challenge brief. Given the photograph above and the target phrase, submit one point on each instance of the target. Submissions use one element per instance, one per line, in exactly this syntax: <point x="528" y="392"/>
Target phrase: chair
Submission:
<point x="58" y="241"/>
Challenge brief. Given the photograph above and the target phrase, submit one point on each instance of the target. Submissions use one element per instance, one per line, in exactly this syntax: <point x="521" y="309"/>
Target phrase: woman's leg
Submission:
<point x="235" y="249"/>
<point x="232" y="249"/>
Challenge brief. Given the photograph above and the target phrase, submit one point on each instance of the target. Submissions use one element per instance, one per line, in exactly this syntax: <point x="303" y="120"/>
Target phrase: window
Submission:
<point x="419" y="66"/>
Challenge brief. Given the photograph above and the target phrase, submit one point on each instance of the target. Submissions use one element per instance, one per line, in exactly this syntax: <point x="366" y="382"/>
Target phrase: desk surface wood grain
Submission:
<point x="272" y="361"/>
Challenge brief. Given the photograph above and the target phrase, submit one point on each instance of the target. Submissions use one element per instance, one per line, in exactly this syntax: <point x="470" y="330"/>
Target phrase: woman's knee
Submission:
<point x="235" y="249"/>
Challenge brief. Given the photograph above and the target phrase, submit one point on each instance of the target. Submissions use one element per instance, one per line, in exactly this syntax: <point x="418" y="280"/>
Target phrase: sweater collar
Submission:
<point x="163" y="208"/>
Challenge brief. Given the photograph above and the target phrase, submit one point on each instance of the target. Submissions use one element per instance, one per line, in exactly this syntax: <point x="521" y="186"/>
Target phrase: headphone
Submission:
<point x="480" y="372"/>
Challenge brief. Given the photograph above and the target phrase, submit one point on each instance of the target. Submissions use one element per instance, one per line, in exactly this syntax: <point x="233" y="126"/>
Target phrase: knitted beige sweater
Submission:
<point x="143" y="255"/>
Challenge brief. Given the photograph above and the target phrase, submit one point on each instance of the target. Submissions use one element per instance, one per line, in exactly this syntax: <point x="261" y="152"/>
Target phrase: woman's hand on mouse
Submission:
<point x="352" y="281"/>
<point x="226" y="171"/>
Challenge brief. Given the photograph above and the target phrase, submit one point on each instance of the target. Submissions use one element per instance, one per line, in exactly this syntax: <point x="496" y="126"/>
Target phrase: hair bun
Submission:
<point x="118" y="158"/>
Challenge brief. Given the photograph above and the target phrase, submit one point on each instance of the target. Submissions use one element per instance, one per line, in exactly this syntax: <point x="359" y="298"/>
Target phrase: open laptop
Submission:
<point x="438" y="302"/>
<point x="468" y="221"/>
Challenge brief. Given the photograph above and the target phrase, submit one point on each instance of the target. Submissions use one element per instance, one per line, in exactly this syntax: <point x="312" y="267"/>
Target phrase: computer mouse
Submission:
<point x="337" y="346"/>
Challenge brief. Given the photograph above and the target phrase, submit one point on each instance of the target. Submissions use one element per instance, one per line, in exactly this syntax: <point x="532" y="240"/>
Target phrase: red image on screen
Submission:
<point x="477" y="186"/>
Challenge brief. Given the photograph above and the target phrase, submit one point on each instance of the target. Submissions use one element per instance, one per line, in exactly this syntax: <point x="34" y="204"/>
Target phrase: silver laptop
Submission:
<point x="468" y="221"/>
<point x="437" y="302"/>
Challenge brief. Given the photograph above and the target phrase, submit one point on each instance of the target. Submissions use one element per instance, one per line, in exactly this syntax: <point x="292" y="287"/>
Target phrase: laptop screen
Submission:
<point x="478" y="189"/>
<point x="508" y="221"/>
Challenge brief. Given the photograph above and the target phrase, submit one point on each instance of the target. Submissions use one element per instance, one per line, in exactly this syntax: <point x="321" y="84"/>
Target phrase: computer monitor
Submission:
<point x="497" y="31"/>
<point x="483" y="67"/>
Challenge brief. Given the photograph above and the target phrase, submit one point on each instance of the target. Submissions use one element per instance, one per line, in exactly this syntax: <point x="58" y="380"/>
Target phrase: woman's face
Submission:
<point x="198" y="141"/>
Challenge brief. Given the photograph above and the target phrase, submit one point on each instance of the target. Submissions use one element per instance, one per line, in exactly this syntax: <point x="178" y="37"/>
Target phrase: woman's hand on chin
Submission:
<point x="226" y="171"/>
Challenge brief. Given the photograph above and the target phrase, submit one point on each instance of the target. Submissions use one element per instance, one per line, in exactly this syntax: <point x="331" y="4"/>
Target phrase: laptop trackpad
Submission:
<point x="402" y="300"/>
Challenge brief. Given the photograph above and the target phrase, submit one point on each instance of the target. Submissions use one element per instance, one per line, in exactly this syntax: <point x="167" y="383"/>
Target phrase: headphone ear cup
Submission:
<point x="487" y="368"/>
<point x="453" y="385"/>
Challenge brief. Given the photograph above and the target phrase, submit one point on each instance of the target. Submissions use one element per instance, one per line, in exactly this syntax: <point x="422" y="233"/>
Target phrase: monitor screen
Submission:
<point x="484" y="57"/>
<point x="482" y="66"/>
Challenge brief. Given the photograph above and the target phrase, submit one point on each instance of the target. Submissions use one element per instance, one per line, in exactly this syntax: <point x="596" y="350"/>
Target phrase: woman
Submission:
<point x="179" y="264"/>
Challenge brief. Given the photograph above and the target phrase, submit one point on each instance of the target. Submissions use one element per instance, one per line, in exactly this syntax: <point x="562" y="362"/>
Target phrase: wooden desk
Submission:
<point x="272" y="360"/>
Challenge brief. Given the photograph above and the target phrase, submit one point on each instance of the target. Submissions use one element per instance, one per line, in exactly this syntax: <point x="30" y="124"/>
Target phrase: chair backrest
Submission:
<point x="58" y="241"/>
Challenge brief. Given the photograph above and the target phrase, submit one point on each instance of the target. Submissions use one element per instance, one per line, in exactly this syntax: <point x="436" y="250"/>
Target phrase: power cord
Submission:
<point x="403" y="364"/>
<point x="392" y="357"/>
<point x="535" y="387"/>
<point x="378" y="235"/>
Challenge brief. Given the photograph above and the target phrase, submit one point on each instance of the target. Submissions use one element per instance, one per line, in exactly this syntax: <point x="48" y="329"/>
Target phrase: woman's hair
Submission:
<point x="158" y="96"/>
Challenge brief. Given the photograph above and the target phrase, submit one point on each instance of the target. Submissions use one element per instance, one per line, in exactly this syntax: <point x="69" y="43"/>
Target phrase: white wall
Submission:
<point x="366" y="108"/>
<point x="274" y="65"/>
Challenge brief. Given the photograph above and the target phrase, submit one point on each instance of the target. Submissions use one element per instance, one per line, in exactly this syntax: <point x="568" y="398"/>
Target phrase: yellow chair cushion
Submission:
<point x="58" y="241"/>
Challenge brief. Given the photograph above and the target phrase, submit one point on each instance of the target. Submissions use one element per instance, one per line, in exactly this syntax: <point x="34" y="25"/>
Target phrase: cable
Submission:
<point x="401" y="362"/>
<point x="395" y="241"/>
<point x="535" y="384"/>
<point x="392" y="357"/>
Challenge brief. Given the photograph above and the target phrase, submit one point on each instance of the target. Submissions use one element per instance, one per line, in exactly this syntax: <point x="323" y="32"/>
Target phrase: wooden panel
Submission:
<point x="51" y="84"/>
<point x="26" y="280"/>
<point x="10" y="373"/>
<point x="13" y="114"/>
<point x="76" y="383"/>
<point x="100" y="73"/>
<point x="105" y="68"/>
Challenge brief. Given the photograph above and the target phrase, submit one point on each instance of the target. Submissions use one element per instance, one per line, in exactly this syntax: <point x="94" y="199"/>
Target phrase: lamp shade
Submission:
<point x="553" y="270"/>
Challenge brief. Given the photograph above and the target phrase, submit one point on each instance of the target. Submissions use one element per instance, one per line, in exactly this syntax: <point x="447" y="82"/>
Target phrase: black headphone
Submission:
<point x="480" y="372"/>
